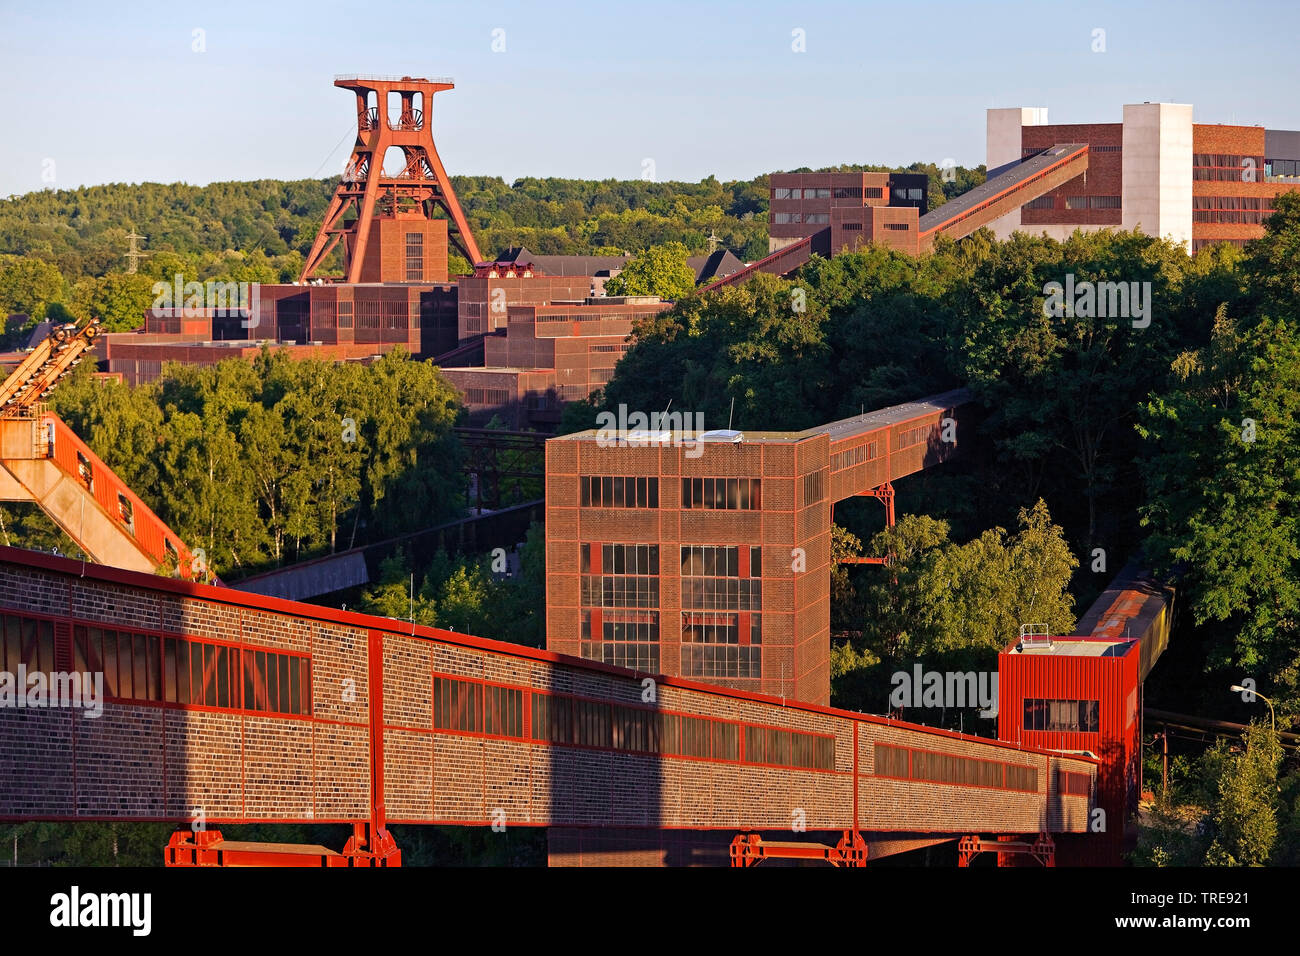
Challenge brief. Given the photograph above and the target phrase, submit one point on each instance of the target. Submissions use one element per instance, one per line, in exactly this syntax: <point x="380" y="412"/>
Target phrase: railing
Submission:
<point x="376" y="78"/>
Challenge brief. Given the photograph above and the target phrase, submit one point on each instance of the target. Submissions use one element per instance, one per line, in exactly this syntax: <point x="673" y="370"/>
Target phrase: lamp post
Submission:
<point x="1238" y="689"/>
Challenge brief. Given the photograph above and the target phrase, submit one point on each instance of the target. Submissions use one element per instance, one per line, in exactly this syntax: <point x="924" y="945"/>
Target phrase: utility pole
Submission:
<point x="134" y="255"/>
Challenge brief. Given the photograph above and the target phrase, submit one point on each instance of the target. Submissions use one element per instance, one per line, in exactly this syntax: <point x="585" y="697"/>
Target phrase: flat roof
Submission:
<point x="1076" y="647"/>
<point x="840" y="430"/>
<point x="859" y="424"/>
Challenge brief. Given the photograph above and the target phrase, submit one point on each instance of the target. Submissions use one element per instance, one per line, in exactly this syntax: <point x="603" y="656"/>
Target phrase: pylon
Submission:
<point x="416" y="192"/>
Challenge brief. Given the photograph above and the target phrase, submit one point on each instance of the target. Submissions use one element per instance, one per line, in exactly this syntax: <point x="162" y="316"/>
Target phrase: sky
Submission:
<point x="96" y="92"/>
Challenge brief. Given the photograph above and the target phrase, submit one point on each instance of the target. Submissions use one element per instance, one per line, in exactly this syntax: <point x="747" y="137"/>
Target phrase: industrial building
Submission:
<point x="1157" y="171"/>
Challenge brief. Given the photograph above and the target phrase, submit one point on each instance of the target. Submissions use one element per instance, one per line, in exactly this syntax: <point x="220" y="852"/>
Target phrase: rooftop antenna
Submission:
<point x="732" y="412"/>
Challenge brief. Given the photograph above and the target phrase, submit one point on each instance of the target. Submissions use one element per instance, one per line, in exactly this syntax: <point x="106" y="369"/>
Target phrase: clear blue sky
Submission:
<point x="115" y="93"/>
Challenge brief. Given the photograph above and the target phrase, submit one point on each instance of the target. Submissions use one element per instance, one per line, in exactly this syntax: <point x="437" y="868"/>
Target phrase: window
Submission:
<point x="277" y="683"/>
<point x="486" y="396"/>
<point x="414" y="256"/>
<point x="1074" y="784"/>
<point x="892" y="761"/>
<point x="817" y="217"/>
<point x="553" y="719"/>
<point x="611" y="491"/>
<point x="854" y="456"/>
<point x="29" y="642"/>
<point x="733" y="494"/>
<point x="852" y="226"/>
<point x="873" y="192"/>
<point x="345" y="315"/>
<point x="457" y="705"/>
<point x="781" y="193"/>
<point x="896" y="226"/>
<point x="1076" y="202"/>
<point x="915" y="194"/>
<point x="85" y="473"/>
<point x="790" y="748"/>
<point x="913" y="436"/>
<point x="1042" y="202"/>
<point x="846" y="192"/>
<point x="814" y="487"/>
<point x="126" y="511"/>
<point x="819" y="193"/>
<point x="1064" y="716"/>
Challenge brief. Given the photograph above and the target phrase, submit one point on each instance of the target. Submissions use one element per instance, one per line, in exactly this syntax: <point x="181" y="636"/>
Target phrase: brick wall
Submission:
<point x="142" y="761"/>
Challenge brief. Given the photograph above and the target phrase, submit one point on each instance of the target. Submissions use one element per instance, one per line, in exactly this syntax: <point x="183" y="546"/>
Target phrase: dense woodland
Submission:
<point x="1100" y="441"/>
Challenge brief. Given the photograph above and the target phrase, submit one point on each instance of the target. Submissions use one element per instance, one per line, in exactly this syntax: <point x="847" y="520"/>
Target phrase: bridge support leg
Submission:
<point x="368" y="846"/>
<point x="1041" y="850"/>
<point x="750" y="849"/>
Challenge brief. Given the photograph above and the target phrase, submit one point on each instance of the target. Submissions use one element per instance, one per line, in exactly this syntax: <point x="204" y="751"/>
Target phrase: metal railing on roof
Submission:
<point x="377" y="78"/>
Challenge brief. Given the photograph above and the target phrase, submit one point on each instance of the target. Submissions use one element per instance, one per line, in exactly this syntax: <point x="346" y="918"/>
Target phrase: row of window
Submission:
<point x="1282" y="167"/>
<point x="718" y="561"/>
<point x="722" y="594"/>
<point x="813" y="192"/>
<point x="854" y="456"/>
<point x="913" y="436"/>
<point x="616" y="491"/>
<point x="620" y="559"/>
<point x="1230" y="202"/>
<point x="721" y="660"/>
<point x="1068" y="716"/>
<point x="612" y="590"/>
<point x="1094" y="202"/>
<point x="147" y="667"/>
<point x="152" y="668"/>
<point x="716" y="628"/>
<point x="486" y="396"/>
<point x="620" y="625"/>
<point x="784" y="218"/>
<point x="897" y="226"/>
<point x="1230" y="216"/>
<point x="733" y="494"/>
<point x="908" y="763"/>
<point x="1225" y="160"/>
<point x="465" y="706"/>
<point x="637" y="655"/>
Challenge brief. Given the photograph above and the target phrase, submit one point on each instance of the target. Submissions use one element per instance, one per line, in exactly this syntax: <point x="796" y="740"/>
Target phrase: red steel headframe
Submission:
<point x="422" y="183"/>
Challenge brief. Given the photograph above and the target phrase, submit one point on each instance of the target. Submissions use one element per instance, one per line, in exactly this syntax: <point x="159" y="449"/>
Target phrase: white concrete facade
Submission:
<point x="1157" y="179"/>
<point x="1004" y="147"/>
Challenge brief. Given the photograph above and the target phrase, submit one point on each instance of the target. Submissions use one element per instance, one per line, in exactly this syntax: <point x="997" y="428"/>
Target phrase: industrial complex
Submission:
<point x="680" y="711"/>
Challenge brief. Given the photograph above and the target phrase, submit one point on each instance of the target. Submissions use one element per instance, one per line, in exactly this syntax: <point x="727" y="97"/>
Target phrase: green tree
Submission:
<point x="28" y="285"/>
<point x="660" y="270"/>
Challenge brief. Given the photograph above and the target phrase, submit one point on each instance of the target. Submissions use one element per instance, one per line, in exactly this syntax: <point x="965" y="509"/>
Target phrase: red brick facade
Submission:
<point x="487" y="751"/>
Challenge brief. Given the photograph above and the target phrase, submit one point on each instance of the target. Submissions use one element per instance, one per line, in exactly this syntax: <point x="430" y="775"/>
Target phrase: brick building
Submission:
<point x="805" y="203"/>
<point x="707" y="554"/>
<point x="1156" y="170"/>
